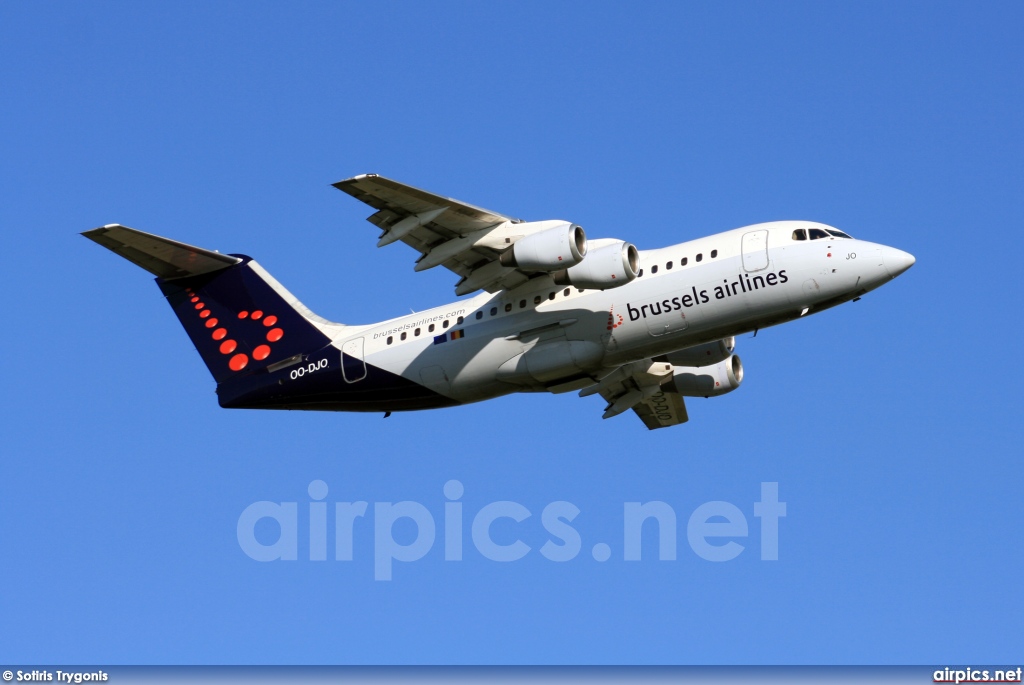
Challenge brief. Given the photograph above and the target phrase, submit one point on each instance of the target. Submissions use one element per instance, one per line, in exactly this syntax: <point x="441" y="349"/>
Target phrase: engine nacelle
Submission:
<point x="708" y="381"/>
<point x="611" y="265"/>
<point x="703" y="355"/>
<point x="562" y="246"/>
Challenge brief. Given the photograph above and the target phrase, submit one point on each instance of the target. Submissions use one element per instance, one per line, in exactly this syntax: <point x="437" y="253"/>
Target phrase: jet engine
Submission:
<point x="703" y="355"/>
<point x="560" y="247"/>
<point x="708" y="381"/>
<point x="612" y="264"/>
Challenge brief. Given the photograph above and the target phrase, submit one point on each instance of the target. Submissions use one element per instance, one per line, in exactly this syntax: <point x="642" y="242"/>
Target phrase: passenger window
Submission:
<point x="494" y="311"/>
<point x="654" y="269"/>
<point x="537" y="299"/>
<point x="714" y="253"/>
<point x="640" y="274"/>
<point x="479" y="315"/>
<point x="551" y="296"/>
<point x="669" y="266"/>
<point x="799" y="234"/>
<point x="522" y="304"/>
<point x="566" y="292"/>
<point x="700" y="256"/>
<point x="430" y="328"/>
<point x="459" y="321"/>
<point x="391" y="339"/>
<point x="508" y="307"/>
<point x="682" y="262"/>
<point x="417" y="332"/>
<point x="817" y="234"/>
<point x="444" y="324"/>
<point x="404" y="335"/>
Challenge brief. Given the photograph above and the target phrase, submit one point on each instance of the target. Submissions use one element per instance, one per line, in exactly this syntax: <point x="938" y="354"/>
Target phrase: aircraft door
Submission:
<point x="352" y="365"/>
<point x="755" y="250"/>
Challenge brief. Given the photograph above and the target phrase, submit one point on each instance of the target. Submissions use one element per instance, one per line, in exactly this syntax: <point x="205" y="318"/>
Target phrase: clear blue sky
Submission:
<point x="891" y="425"/>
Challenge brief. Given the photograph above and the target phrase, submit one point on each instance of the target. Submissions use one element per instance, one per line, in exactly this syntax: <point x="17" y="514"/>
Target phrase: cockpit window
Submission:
<point x="799" y="234"/>
<point x="839" y="234"/>
<point x="817" y="234"/>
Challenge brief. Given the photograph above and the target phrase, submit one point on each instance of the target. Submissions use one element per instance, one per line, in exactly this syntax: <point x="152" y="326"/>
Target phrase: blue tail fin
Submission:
<point x="240" y="322"/>
<point x="240" y="319"/>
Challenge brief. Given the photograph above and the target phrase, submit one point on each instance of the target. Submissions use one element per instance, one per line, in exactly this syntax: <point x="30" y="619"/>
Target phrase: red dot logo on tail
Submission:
<point x="230" y="346"/>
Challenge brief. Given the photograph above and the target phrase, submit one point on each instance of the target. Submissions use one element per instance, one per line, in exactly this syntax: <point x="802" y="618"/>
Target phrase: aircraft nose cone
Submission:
<point x="897" y="261"/>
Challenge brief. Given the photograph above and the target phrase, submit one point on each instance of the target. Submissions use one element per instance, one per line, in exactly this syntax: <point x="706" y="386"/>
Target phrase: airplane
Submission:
<point x="553" y="311"/>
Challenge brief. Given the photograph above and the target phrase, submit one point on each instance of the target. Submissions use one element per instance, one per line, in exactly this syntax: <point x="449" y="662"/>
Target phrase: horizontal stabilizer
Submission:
<point x="162" y="257"/>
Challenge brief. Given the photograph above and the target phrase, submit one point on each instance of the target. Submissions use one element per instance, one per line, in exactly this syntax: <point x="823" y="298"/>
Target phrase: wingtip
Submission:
<point x="360" y="177"/>
<point x="100" y="230"/>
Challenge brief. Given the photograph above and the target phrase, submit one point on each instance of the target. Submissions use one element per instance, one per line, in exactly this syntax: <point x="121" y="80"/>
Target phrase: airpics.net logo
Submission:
<point x="716" y="531"/>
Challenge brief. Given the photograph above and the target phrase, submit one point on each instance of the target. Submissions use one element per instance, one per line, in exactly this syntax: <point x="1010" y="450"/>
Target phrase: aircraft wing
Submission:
<point x="459" y="236"/>
<point x="643" y="387"/>
<point x="662" y="409"/>
<point x="658" y="406"/>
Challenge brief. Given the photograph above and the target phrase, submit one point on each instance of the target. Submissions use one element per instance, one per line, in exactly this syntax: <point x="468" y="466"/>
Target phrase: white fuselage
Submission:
<point x="759" y="276"/>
